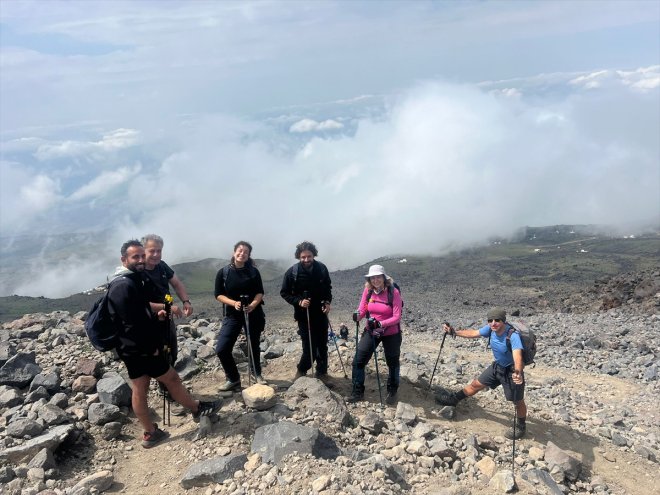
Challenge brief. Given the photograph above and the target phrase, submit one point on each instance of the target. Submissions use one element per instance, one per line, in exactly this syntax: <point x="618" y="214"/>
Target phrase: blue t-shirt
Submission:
<point x="501" y="352"/>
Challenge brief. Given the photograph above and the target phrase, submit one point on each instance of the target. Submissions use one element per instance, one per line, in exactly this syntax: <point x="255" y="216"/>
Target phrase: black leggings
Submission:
<point x="232" y="326"/>
<point x="365" y="349"/>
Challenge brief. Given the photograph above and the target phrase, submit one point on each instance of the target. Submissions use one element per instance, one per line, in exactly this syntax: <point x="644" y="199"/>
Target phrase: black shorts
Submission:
<point x="496" y="375"/>
<point x="153" y="366"/>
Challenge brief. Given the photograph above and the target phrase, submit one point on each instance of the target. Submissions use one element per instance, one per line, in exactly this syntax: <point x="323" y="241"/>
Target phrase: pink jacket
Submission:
<point x="389" y="317"/>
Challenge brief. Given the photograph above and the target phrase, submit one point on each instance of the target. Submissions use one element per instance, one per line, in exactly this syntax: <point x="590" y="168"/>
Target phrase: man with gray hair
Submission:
<point x="162" y="276"/>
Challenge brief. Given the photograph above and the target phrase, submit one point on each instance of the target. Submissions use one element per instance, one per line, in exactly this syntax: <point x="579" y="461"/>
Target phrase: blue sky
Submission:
<point x="393" y="127"/>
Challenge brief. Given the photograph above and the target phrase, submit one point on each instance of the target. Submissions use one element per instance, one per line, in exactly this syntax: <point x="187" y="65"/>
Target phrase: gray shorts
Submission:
<point x="496" y="375"/>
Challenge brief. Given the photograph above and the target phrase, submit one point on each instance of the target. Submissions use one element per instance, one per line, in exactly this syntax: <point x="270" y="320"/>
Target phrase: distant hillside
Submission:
<point x="546" y="267"/>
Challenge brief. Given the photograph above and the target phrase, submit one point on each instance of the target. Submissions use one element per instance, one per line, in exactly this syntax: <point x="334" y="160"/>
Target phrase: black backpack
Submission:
<point x="99" y="326"/>
<point x="294" y="273"/>
<point x="390" y="294"/>
<point x="527" y="337"/>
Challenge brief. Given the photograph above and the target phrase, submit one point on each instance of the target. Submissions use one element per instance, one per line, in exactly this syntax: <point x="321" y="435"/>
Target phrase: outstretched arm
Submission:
<point x="181" y="291"/>
<point x="466" y="333"/>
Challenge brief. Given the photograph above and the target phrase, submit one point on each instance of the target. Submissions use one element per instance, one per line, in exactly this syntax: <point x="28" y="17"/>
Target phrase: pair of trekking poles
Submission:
<point x="515" y="411"/>
<point x="331" y="334"/>
<point x="252" y="367"/>
<point x="375" y="348"/>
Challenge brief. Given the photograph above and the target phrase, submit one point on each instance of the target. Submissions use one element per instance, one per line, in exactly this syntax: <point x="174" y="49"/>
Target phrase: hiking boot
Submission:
<point x="446" y="398"/>
<point x="207" y="409"/>
<point x="261" y="380"/>
<point x="152" y="438"/>
<point x="229" y="385"/>
<point x="356" y="395"/>
<point x="521" y="429"/>
<point x="391" y="398"/>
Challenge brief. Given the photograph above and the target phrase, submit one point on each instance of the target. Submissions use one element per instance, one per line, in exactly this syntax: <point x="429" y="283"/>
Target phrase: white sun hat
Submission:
<point x="375" y="270"/>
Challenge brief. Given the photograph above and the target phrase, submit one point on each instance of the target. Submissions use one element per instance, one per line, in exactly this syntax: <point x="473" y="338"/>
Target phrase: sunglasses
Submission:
<point x="496" y="320"/>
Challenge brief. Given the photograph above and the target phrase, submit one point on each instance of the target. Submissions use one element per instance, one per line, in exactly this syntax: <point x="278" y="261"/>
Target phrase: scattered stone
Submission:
<point x="100" y="413"/>
<point x="372" y="422"/>
<point x="406" y="413"/>
<point x="502" y="481"/>
<point x="569" y="465"/>
<point x="97" y="482"/>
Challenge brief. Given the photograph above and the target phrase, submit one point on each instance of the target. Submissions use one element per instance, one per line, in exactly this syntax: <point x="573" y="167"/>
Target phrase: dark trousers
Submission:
<point x="319" y="331"/>
<point x="365" y="349"/>
<point x="232" y="326"/>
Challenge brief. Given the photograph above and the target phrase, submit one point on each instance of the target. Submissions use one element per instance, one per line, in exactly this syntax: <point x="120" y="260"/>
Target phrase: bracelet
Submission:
<point x="186" y="301"/>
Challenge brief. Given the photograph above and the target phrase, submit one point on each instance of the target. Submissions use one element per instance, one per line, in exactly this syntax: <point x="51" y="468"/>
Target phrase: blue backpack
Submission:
<point x="99" y="326"/>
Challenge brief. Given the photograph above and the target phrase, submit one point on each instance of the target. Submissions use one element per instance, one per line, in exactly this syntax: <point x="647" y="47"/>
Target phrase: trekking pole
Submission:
<point x="380" y="391"/>
<point x="437" y="360"/>
<point x="513" y="451"/>
<point x="334" y="339"/>
<point x="309" y="333"/>
<point x="251" y="363"/>
<point x="166" y="354"/>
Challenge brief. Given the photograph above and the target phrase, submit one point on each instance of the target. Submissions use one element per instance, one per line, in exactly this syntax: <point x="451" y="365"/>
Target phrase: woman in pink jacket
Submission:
<point x="381" y="306"/>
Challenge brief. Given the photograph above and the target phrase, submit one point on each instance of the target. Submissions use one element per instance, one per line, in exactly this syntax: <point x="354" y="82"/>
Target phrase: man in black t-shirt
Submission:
<point x="162" y="276"/>
<point x="308" y="288"/>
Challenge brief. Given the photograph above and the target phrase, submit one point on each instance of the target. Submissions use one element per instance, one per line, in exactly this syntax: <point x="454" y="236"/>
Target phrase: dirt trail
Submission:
<point x="158" y="470"/>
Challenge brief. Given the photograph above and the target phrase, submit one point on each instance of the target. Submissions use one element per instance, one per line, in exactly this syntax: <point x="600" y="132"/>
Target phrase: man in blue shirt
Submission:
<point x="506" y="370"/>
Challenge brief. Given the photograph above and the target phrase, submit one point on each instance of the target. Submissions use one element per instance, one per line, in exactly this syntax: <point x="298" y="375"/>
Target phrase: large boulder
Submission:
<point x="49" y="440"/>
<point x="19" y="370"/>
<point x="275" y="441"/>
<point x="214" y="470"/>
<point x="312" y="396"/>
<point x="113" y="389"/>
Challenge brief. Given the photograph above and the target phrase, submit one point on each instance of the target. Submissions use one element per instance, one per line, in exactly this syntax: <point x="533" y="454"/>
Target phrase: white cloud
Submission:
<point x="105" y="182"/>
<point x="41" y="193"/>
<point x="113" y="141"/>
<point x="311" y="125"/>
<point x="24" y="195"/>
<point x="643" y="79"/>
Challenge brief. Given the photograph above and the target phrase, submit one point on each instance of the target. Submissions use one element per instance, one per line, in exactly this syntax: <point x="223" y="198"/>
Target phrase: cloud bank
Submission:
<point x="444" y="165"/>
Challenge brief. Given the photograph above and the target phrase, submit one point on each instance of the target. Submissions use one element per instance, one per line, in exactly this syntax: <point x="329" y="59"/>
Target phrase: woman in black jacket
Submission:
<point x="239" y="278"/>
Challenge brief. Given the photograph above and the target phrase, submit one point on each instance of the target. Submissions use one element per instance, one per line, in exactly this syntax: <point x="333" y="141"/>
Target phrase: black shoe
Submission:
<point x="446" y="398"/>
<point x="207" y="409"/>
<point x="521" y="429"/>
<point x="391" y="397"/>
<point x="356" y="395"/>
<point x="152" y="438"/>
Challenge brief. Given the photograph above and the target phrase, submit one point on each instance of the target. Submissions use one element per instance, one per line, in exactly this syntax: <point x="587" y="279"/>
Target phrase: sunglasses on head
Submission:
<point x="496" y="320"/>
